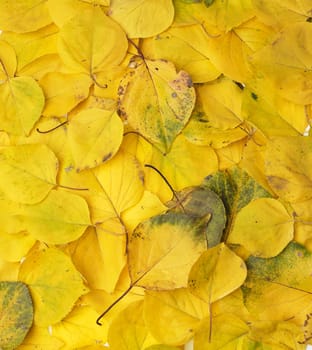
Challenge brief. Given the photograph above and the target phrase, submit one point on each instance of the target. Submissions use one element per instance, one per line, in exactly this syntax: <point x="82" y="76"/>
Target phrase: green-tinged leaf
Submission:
<point x="94" y="136"/>
<point x="138" y="17"/>
<point x="54" y="283"/>
<point x="60" y="218"/>
<point x="236" y="189"/>
<point x="16" y="314"/>
<point x="164" y="100"/>
<point x="156" y="247"/>
<point x="217" y="273"/>
<point x="27" y="172"/>
<point x="87" y="42"/>
<point x="178" y="309"/>
<point x="23" y="15"/>
<point x="161" y="347"/>
<point x="280" y="288"/>
<point x="263" y="227"/>
<point x="22" y="101"/>
<point x="199" y="201"/>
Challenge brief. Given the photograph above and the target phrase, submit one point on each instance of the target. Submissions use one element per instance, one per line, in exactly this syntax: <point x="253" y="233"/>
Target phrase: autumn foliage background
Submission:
<point x="155" y="153"/>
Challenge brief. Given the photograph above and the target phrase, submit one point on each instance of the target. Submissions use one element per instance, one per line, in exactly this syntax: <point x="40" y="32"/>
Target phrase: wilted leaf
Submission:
<point x="263" y="227"/>
<point x="163" y="99"/>
<point x="28" y="172"/>
<point x="87" y="42"/>
<point x="16" y="310"/>
<point x="289" y="173"/>
<point x="60" y="218"/>
<point x="198" y="201"/>
<point x="138" y="17"/>
<point x="216" y="273"/>
<point x="95" y="136"/>
<point x="63" y="92"/>
<point x="180" y="312"/>
<point x="279" y="288"/>
<point x="54" y="283"/>
<point x="156" y="246"/>
<point x="24" y="15"/>
<point x="236" y="189"/>
<point x="22" y="101"/>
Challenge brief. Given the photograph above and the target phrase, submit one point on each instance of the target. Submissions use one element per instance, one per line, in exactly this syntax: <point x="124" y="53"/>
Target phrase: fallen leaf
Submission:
<point x="54" y="284"/>
<point x="138" y="17"/>
<point x="16" y="314"/>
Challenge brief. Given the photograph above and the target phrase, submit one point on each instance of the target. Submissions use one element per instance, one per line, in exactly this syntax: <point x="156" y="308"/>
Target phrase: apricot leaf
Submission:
<point x="164" y="100"/>
<point x="54" y="283"/>
<point x="16" y="314"/>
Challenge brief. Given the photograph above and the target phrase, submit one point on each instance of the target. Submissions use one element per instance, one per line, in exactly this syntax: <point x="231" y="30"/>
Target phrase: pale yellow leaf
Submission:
<point x="54" y="283"/>
<point x="142" y="18"/>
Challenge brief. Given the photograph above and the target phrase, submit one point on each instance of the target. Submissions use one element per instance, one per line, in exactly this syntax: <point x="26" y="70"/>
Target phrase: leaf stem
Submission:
<point x="168" y="184"/>
<point x="113" y="304"/>
<point x="56" y="127"/>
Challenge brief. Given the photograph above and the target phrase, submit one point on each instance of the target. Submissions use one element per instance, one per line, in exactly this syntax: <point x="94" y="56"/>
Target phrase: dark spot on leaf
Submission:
<point x="120" y="91"/>
<point x="240" y="85"/>
<point x="174" y="95"/>
<point x="254" y="96"/>
<point x="309" y="19"/>
<point x="107" y="157"/>
<point x="156" y="68"/>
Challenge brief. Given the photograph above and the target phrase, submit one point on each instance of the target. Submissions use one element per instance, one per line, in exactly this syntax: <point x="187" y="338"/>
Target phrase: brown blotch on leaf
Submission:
<point x="107" y="157"/>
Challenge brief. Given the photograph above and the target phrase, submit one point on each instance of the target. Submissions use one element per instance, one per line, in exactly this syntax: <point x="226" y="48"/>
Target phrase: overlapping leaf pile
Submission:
<point x="214" y="95"/>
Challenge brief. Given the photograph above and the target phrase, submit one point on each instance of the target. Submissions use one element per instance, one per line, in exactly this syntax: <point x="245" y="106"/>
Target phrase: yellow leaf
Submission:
<point x="63" y="10"/>
<point x="217" y="273"/>
<point x="54" y="283"/>
<point x="139" y="19"/>
<point x="120" y="186"/>
<point x="176" y="166"/>
<point x="22" y="101"/>
<point x="148" y="206"/>
<point x="130" y="324"/>
<point x="263" y="227"/>
<point x="94" y="136"/>
<point x="156" y="246"/>
<point x="290" y="73"/>
<point x="33" y="46"/>
<point x="41" y="338"/>
<point x="78" y="329"/>
<point x="287" y="167"/>
<point x="178" y="310"/>
<point x="60" y="218"/>
<point x="216" y="18"/>
<point x="230" y="54"/>
<point x="156" y="101"/>
<point x="13" y="247"/>
<point x="281" y="13"/>
<point x="28" y="172"/>
<point x="227" y="333"/>
<point x="9" y="270"/>
<point x="63" y="92"/>
<point x="186" y="47"/>
<point x="99" y="275"/>
<point x="23" y="15"/>
<point x="87" y="42"/>
<point x="8" y="61"/>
